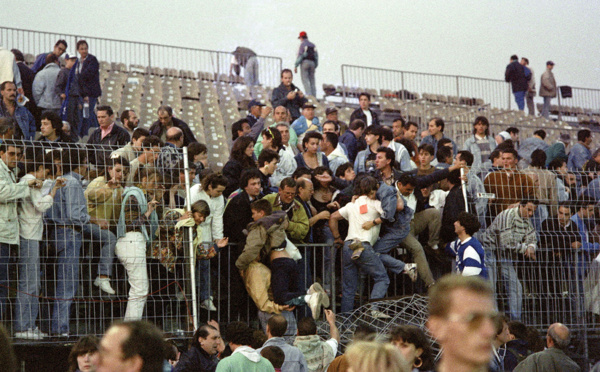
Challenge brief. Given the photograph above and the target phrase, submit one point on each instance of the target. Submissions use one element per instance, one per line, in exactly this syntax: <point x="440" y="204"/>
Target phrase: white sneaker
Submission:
<point x="314" y="303"/>
<point x="410" y="269"/>
<point x="104" y="284"/>
<point x="208" y="304"/>
<point x="315" y="288"/>
<point x="379" y="315"/>
<point x="31" y="334"/>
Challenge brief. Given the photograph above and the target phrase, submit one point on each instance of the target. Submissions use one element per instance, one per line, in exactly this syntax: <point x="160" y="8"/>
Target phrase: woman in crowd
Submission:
<point x="241" y="158"/>
<point x="80" y="358"/>
<point x="311" y="157"/>
<point x="271" y="140"/>
<point x="414" y="346"/>
<point x="366" y="356"/>
<point x="211" y="191"/>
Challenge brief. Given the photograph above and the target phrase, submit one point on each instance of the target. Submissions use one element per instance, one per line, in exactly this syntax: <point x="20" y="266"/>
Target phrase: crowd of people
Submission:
<point x="487" y="207"/>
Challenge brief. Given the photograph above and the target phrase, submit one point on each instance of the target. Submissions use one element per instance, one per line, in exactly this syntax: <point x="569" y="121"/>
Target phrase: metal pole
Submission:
<point x="458" y="87"/>
<point x="192" y="252"/>
<point x="149" y="55"/>
<point x="343" y="86"/>
<point x="464" y="189"/>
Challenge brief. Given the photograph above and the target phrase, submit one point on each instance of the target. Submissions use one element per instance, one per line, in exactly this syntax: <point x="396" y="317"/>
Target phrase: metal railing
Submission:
<point x="139" y="53"/>
<point x="494" y="92"/>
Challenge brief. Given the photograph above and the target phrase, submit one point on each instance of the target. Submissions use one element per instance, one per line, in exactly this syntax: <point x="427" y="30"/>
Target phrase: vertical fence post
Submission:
<point x="508" y="86"/>
<point x="458" y="87"/>
<point x="192" y="255"/>
<point x="343" y="86"/>
<point x="149" y="55"/>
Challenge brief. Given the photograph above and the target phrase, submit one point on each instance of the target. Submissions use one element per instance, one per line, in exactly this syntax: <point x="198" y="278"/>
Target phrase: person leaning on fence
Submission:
<point x="512" y="238"/>
<point x="137" y="224"/>
<point x="149" y="151"/>
<point x="31" y="209"/>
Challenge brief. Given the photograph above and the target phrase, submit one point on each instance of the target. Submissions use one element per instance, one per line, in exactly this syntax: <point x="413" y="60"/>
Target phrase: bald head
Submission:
<point x="276" y="326"/>
<point x="175" y="136"/>
<point x="558" y="336"/>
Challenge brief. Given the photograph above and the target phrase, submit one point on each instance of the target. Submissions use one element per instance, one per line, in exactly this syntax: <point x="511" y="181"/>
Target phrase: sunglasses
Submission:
<point x="475" y="319"/>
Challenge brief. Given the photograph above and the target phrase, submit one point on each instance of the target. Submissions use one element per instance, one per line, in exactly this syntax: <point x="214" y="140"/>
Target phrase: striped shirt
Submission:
<point x="510" y="231"/>
<point x="469" y="257"/>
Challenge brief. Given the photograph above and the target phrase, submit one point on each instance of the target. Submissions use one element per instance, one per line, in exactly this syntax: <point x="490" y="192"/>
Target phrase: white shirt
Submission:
<point x="31" y="211"/>
<point x="369" y="117"/>
<point x="352" y="212"/>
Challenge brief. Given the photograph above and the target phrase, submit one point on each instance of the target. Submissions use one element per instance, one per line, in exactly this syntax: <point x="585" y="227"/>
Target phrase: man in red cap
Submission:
<point x="308" y="60"/>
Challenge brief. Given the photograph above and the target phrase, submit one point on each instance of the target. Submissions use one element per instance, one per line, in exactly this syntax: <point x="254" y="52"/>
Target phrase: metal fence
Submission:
<point x="494" y="92"/>
<point x="139" y="53"/>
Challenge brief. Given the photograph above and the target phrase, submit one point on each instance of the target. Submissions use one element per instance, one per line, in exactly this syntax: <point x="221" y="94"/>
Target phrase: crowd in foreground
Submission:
<point x="472" y="336"/>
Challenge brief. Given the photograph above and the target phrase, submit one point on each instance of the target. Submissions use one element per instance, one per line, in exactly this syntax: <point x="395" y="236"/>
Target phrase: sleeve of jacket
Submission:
<point x="508" y="74"/>
<point x="97" y="193"/>
<point x="232" y="220"/>
<point x="61" y="82"/>
<point x="217" y="221"/>
<point x="89" y="74"/>
<point x="298" y="226"/>
<point x="257" y="129"/>
<point x="285" y="168"/>
<point x="254" y="243"/>
<point x="17" y="75"/>
<point x="39" y="61"/>
<point x="32" y="127"/>
<point x="389" y="199"/>
<point x="231" y="172"/>
<point x="38" y="88"/>
<point x="188" y="134"/>
<point x="11" y="192"/>
<point x="279" y="98"/>
<point x="432" y="178"/>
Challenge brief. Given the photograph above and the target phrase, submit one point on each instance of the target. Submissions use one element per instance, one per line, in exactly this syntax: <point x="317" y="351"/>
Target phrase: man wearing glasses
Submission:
<point x="461" y="318"/>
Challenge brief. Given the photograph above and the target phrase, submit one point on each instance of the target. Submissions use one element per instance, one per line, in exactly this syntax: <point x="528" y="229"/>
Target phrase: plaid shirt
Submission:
<point x="510" y="231"/>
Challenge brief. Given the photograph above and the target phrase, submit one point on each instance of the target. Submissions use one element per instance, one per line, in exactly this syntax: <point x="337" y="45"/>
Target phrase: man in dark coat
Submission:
<point x="165" y="121"/>
<point x="518" y="77"/>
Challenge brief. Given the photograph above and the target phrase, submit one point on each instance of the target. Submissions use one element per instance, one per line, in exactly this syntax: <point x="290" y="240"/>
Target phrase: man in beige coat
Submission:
<point x="547" y="88"/>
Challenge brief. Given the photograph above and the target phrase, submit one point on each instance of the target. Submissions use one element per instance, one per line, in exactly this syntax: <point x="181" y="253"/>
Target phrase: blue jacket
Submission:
<point x="578" y="156"/>
<point x="349" y="140"/>
<point x="301" y="163"/>
<point x="40" y="62"/>
<point x="529" y="145"/>
<point x="471" y="146"/>
<point x="300" y="125"/>
<point x="196" y="359"/>
<point x="433" y="142"/>
<point x="361" y="158"/>
<point x="89" y="78"/>
<point x="24" y="119"/>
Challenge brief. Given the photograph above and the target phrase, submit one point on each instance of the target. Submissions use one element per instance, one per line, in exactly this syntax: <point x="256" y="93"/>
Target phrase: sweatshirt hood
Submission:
<point x="249" y="353"/>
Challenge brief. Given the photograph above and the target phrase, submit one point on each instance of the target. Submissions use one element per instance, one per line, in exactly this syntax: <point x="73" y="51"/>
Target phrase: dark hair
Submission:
<point x="124" y="116"/>
<point x="61" y="41"/>
<point x="364" y="332"/>
<point x="247" y="175"/>
<point x="483" y="120"/>
<point x="583" y="134"/>
<point x="387" y="134"/>
<point x="401" y="120"/>
<point x="443" y="153"/>
<point x="301" y="171"/>
<point x="273" y="354"/>
<point x="528" y="199"/>
<point x="454" y="177"/>
<point x="201" y="206"/>
<point x="195" y="148"/>
<point x="5" y="83"/>
<point x="307" y="326"/>
<point x="112" y="162"/>
<point x="51" y="58"/>
<point x="139" y="132"/>
<point x="19" y="57"/>
<point x="336" y="126"/>
<point x="466" y="156"/>
<point x="310" y="135"/>
<point x="341" y="170"/>
<point x="277" y="325"/>
<point x="540" y="133"/>
<point x="152" y="141"/>
<point x="556" y="163"/>
<point x="356" y="124"/>
<point x="513" y="57"/>
<point x="214" y="180"/>
<point x="7" y="123"/>
<point x="584" y="201"/>
<point x="407" y="179"/>
<point x="376" y="131"/>
<point x="55" y="121"/>
<point x="365" y="185"/>
<point x="262" y="205"/>
<point x="287" y="182"/>
<point x="427" y="148"/>
<point x="239" y="149"/>
<point x="171" y="350"/>
<point x="72" y="159"/>
<point x="36" y="158"/>
<point x="238" y="333"/>
<point x="410" y="124"/>
<point x="108" y="109"/>
<point x="469" y="222"/>
<point x="365" y="94"/>
<point x="165" y="108"/>
<point x="236" y="127"/>
<point x="526" y="60"/>
<point x="511" y="151"/>
<point x="507" y="144"/>
<point x="442" y="142"/>
<point x="267" y="156"/>
<point x="202" y="331"/>
<point x="145" y="340"/>
<point x="538" y="158"/>
<point x="286" y="70"/>
<point x="84" y="345"/>
<point x="258" y="339"/>
<point x="513" y="130"/>
<point x="318" y="171"/>
<point x="495" y="155"/>
<point x="518" y="329"/>
<point x="389" y="154"/>
<point x="439" y="122"/>
<point x="271" y="133"/>
<point x="331" y="138"/>
<point x="414" y="335"/>
<point x="80" y="43"/>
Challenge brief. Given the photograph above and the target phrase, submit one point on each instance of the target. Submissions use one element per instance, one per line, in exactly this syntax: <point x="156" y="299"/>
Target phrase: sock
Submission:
<point x="306" y="298"/>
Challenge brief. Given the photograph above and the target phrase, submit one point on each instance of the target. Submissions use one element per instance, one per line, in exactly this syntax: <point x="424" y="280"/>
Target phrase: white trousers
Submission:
<point x="131" y="250"/>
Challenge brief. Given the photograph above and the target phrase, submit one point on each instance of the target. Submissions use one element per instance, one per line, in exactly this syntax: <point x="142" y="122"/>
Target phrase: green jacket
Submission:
<point x="298" y="225"/>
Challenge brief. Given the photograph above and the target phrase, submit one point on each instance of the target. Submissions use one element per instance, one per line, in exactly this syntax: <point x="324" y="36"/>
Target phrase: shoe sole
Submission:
<point x="316" y="311"/>
<point x="318" y="288"/>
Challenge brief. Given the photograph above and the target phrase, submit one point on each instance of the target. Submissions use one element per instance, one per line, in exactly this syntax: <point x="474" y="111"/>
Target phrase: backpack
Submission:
<point x="310" y="53"/>
<point x="520" y="357"/>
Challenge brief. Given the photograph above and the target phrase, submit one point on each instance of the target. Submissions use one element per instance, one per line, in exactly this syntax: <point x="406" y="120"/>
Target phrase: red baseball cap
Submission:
<point x="302" y="35"/>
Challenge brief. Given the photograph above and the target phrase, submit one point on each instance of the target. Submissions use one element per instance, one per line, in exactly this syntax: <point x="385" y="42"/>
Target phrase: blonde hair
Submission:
<point x="363" y="356"/>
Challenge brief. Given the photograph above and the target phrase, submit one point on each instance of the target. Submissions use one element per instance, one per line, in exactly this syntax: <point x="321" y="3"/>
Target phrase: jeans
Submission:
<point x="307" y="71"/>
<point x="539" y="216"/>
<point x="546" y="107"/>
<point x="68" y="248"/>
<point x="490" y="264"/>
<point x="131" y="250"/>
<point x="73" y="114"/>
<point x="390" y="239"/>
<point x="513" y="288"/>
<point x="324" y="235"/>
<point x="29" y="285"/>
<point x="108" y="240"/>
<point x="4" y="262"/>
<point x="203" y="278"/>
<point x="91" y="121"/>
<point x="520" y="99"/>
<point x="251" y="72"/>
<point x="370" y="264"/>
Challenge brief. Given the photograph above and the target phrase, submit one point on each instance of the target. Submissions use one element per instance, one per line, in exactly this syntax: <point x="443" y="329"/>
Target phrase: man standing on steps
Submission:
<point x="308" y="60"/>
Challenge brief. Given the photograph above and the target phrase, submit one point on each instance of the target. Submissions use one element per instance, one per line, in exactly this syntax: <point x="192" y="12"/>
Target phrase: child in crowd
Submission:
<point x="467" y="249"/>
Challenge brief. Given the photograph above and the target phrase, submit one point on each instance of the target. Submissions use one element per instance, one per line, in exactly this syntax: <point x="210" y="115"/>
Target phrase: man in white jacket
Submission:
<point x="11" y="193"/>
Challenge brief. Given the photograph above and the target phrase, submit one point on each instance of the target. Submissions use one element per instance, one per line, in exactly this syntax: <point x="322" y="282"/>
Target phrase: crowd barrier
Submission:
<point x="140" y="53"/>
